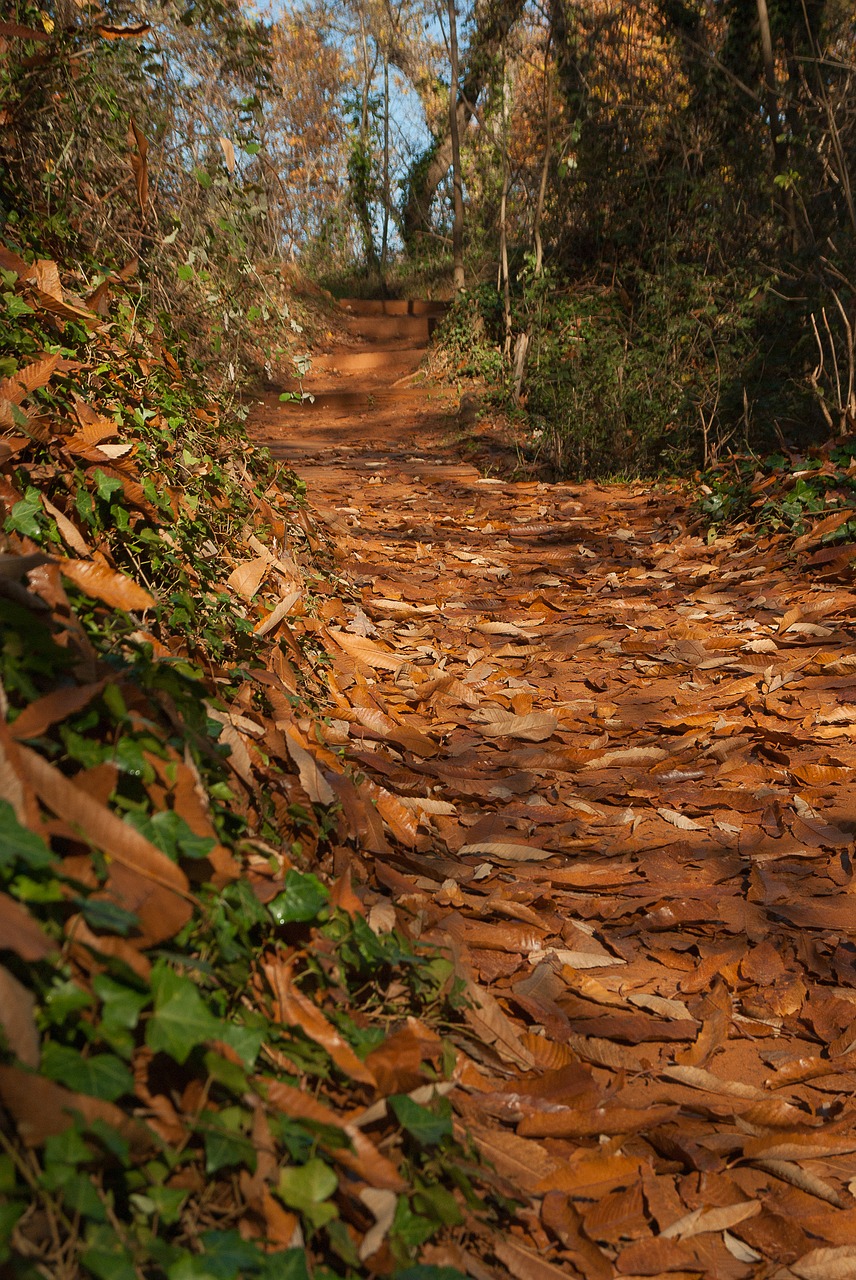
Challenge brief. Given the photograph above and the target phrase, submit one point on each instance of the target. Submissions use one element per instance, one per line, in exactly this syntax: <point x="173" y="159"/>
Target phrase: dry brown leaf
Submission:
<point x="69" y="532"/>
<point x="41" y="1108"/>
<point x="276" y="615"/>
<point x="702" y="1221"/>
<point x="534" y="727"/>
<point x="27" y="379"/>
<point x="139" y="164"/>
<point x="17" y="1020"/>
<point x="20" y="933"/>
<point x="680" y="821"/>
<point x="658" y="1258"/>
<point x="494" y="1028"/>
<point x="503" y="851"/>
<point x="142" y="878"/>
<point x="403" y="824"/>
<point x="698" y="1078"/>
<point x="228" y="149"/>
<point x="827" y="1264"/>
<point x="246" y="578"/>
<point x="630" y="756"/>
<point x="814" y="1145"/>
<point x="363" y="1156"/>
<point x="801" y="1178"/>
<point x="312" y="780"/>
<point x="524" y="1263"/>
<point x="38" y="716"/>
<point x="525" y="1163"/>
<point x="97" y="579"/>
<point x="365" y="651"/>
<point x="296" y="1010"/>
<point x="397" y="1064"/>
<point x="389" y="730"/>
<point x="591" y="1175"/>
<point x="382" y="1204"/>
<point x="611" y="1120"/>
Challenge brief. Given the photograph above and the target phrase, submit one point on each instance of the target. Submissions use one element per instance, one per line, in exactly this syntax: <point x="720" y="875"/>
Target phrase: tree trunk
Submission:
<point x="779" y="149"/>
<point x="359" y="167"/>
<point x="545" y="167"/>
<point x="503" y="217"/>
<point x="384" y="245"/>
<point x="492" y="27"/>
<point x="457" y="182"/>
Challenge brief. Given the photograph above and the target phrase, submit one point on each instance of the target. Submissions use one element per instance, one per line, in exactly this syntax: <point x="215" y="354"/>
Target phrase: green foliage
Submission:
<point x="785" y="492"/>
<point x="182" y="1029"/>
<point x="130" y="1214"/>
<point x="427" y="1125"/>
<point x="196" y="222"/>
<point x="468" y="338"/>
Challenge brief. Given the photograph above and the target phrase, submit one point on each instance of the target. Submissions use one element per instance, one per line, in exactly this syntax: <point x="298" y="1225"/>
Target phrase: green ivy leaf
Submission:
<point x="169" y="831"/>
<point x="225" y="1072"/>
<point x="246" y="1041"/>
<point x="428" y="1127"/>
<point x="78" y="1192"/>
<point x="168" y="1201"/>
<point x="228" y="1255"/>
<point x="106" y="1257"/>
<point x="106" y="486"/>
<point x="64" y="1000"/>
<point x="107" y="917"/>
<point x="436" y="1202"/>
<point x="106" y="1265"/>
<point x="24" y="518"/>
<point x="307" y="1188"/>
<point x="18" y="844"/>
<point x="10" y="1212"/>
<point x="67" y="1148"/>
<point x="121" y="1006"/>
<point x="302" y="899"/>
<point x="181" y="1019"/>
<point x="226" y="1144"/>
<point x="102" y="1075"/>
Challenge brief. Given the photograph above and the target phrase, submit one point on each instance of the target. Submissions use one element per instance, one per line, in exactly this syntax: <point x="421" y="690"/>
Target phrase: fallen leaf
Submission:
<point x="20" y="933"/>
<point x="702" y="1221"/>
<point x="535" y="727"/>
<point x="679" y="820"/>
<point x="98" y="580"/>
<point x="296" y="1010"/>
<point x="312" y="779"/>
<point x="827" y="1264"/>
<point x="246" y="578"/>
<point x="17" y="1019"/>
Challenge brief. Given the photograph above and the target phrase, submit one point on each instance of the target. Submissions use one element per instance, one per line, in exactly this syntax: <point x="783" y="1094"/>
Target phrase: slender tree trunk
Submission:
<point x="779" y="149"/>
<point x="386" y="196"/>
<point x="545" y="167"/>
<point x="458" y="222"/>
<point x="521" y="348"/>
<point x="494" y="20"/>
<point x="361" y="174"/>
<point x="503" y="215"/>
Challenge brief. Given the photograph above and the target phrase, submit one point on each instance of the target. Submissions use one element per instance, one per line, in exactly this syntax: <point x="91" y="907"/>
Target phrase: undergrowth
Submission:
<point x="808" y="499"/>
<point x="193" y="1010"/>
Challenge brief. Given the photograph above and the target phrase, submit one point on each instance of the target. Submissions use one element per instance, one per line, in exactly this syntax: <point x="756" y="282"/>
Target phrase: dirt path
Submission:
<point x="615" y="767"/>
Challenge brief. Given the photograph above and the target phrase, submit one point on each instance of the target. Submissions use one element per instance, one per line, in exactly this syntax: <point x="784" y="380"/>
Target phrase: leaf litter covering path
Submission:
<point x="614" y="768"/>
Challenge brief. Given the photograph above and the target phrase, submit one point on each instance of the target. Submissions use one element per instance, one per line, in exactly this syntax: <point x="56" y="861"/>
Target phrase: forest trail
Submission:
<point x="615" y="768"/>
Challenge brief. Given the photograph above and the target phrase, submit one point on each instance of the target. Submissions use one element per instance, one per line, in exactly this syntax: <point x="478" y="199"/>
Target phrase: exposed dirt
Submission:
<point x="615" y="770"/>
